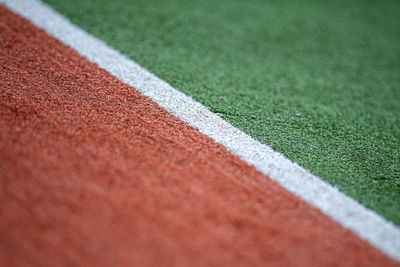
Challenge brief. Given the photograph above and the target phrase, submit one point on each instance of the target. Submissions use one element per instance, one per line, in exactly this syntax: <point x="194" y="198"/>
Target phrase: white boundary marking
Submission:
<point x="366" y="223"/>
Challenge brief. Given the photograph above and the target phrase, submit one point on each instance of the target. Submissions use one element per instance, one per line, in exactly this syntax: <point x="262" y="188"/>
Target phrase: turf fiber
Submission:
<point x="318" y="81"/>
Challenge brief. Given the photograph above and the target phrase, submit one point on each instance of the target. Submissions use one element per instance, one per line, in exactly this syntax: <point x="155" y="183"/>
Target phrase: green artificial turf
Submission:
<point x="259" y="63"/>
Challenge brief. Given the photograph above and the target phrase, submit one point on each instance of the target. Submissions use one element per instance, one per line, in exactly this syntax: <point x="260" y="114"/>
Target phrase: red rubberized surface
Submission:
<point x="92" y="173"/>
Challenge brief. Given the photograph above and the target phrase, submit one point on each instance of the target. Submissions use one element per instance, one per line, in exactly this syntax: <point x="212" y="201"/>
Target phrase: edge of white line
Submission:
<point x="366" y="223"/>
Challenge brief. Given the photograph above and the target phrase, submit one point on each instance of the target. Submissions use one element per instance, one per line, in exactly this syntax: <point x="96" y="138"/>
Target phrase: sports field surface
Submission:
<point x="259" y="63"/>
<point x="104" y="164"/>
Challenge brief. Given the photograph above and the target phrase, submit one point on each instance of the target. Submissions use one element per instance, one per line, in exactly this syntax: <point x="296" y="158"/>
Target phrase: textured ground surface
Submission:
<point x="260" y="63"/>
<point x="93" y="173"/>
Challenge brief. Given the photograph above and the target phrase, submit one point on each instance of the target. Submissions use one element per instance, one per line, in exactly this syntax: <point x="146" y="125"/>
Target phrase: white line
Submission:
<point x="343" y="209"/>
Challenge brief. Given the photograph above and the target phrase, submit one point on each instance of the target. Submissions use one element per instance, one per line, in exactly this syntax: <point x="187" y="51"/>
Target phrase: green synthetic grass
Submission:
<point x="259" y="63"/>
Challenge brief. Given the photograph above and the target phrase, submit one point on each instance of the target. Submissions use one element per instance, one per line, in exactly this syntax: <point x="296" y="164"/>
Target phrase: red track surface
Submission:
<point x="92" y="173"/>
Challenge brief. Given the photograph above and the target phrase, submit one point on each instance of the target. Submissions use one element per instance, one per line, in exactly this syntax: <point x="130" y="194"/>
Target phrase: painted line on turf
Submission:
<point x="343" y="209"/>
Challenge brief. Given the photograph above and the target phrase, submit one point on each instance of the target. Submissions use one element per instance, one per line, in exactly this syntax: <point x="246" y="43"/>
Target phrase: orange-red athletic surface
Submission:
<point x="92" y="173"/>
